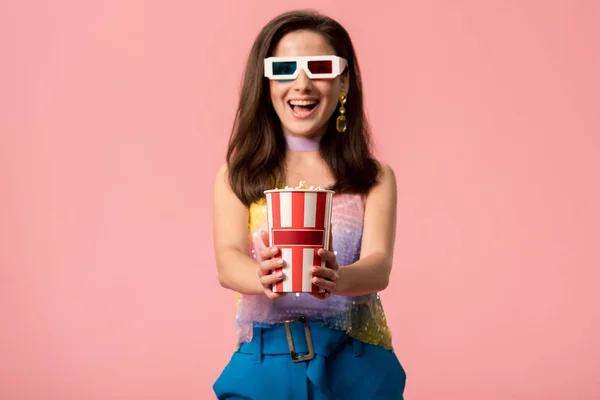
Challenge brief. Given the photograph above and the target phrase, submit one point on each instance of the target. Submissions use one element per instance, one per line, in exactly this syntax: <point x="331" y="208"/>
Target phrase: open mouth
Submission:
<point x="303" y="108"/>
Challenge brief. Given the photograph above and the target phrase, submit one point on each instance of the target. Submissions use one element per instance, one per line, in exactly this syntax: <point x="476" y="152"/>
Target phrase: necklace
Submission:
<point x="295" y="143"/>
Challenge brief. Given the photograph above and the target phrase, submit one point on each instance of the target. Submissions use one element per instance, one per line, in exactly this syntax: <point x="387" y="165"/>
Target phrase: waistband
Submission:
<point x="299" y="338"/>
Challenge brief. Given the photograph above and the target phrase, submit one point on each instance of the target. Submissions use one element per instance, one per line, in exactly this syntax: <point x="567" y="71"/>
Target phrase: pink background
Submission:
<point x="115" y="116"/>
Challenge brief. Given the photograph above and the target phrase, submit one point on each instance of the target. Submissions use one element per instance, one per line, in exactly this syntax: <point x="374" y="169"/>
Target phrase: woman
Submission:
<point x="301" y="118"/>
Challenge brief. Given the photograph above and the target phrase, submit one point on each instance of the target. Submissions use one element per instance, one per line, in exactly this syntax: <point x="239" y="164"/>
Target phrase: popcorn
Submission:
<point x="302" y="186"/>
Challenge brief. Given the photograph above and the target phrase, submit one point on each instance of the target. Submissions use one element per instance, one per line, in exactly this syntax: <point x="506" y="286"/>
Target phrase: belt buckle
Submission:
<point x="309" y="343"/>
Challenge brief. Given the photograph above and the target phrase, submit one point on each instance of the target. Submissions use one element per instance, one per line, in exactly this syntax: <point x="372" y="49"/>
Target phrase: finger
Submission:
<point x="268" y="252"/>
<point x="324" y="283"/>
<point x="329" y="258"/>
<point x="269" y="280"/>
<point x="325" y="273"/>
<point x="266" y="267"/>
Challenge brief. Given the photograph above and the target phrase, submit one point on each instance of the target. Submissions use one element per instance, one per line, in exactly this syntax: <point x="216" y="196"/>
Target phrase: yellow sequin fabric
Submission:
<point x="361" y="317"/>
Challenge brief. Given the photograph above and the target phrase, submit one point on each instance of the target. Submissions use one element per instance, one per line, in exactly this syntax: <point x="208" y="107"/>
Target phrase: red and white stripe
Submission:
<point x="299" y="224"/>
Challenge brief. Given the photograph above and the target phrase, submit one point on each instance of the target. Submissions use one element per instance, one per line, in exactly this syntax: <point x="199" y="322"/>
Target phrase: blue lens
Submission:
<point x="284" y="68"/>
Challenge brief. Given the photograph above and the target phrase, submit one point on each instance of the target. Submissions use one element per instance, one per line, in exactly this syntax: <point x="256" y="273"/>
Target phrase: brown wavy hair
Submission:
<point x="257" y="148"/>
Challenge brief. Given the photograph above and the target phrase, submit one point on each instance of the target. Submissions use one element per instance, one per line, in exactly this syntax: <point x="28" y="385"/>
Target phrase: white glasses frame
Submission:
<point x="338" y="65"/>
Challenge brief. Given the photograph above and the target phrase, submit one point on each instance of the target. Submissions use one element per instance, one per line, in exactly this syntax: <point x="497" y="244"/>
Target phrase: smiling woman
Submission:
<point x="302" y="68"/>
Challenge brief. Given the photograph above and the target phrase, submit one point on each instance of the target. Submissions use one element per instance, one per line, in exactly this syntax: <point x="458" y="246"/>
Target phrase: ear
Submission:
<point x="345" y="81"/>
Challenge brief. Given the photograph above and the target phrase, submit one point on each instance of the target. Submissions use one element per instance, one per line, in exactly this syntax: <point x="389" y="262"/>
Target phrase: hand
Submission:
<point x="266" y="271"/>
<point x="325" y="278"/>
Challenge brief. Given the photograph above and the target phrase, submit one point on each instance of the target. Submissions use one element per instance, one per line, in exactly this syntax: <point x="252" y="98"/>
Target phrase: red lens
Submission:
<point x="320" y="67"/>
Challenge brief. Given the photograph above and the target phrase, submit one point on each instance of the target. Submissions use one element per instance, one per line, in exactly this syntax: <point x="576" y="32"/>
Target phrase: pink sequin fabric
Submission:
<point x="362" y="317"/>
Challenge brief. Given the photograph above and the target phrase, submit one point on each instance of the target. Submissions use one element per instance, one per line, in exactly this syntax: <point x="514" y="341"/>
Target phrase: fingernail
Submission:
<point x="315" y="270"/>
<point x="315" y="280"/>
<point x="280" y="261"/>
<point x="274" y="250"/>
<point x="279" y="275"/>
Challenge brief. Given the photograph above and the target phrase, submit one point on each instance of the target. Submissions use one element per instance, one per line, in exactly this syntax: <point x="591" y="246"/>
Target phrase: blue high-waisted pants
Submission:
<point x="342" y="368"/>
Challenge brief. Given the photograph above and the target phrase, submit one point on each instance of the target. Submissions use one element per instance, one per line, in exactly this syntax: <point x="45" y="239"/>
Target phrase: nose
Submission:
<point x="302" y="82"/>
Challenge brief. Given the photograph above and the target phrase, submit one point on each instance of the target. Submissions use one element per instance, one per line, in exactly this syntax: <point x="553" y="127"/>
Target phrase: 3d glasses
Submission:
<point x="315" y="67"/>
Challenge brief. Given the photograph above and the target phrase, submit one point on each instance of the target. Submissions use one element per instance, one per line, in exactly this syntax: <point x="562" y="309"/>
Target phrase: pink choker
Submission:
<point x="295" y="143"/>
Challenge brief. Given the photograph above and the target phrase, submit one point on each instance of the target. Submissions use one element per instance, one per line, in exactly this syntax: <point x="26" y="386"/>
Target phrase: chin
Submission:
<point x="306" y="132"/>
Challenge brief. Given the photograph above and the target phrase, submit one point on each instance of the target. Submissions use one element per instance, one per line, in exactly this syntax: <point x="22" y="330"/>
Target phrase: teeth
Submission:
<point x="302" y="102"/>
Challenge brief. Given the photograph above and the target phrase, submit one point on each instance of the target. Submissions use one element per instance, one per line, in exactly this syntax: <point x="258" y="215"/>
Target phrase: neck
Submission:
<point x="296" y="143"/>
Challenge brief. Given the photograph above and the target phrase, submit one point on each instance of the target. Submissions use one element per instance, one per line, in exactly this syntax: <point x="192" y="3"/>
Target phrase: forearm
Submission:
<point x="238" y="272"/>
<point x="367" y="275"/>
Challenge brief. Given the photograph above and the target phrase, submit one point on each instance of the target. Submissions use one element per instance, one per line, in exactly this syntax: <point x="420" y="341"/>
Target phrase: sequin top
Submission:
<point x="361" y="317"/>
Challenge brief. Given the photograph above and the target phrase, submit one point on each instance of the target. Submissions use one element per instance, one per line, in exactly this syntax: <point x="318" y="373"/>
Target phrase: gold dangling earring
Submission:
<point x="341" y="124"/>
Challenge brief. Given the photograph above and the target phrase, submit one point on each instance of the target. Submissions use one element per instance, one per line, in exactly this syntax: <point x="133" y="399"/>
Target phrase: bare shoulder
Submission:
<point x="386" y="181"/>
<point x="386" y="174"/>
<point x="222" y="191"/>
<point x="382" y="197"/>
<point x="221" y="184"/>
<point x="222" y="173"/>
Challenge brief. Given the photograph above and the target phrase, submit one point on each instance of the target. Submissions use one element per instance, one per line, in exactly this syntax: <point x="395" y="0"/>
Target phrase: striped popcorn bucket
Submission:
<point x="299" y="225"/>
